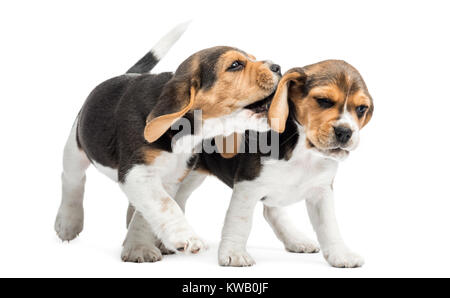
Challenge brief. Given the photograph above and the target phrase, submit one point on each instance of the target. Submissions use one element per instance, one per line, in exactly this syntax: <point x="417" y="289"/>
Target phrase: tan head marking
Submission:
<point x="208" y="81"/>
<point x="332" y="105"/>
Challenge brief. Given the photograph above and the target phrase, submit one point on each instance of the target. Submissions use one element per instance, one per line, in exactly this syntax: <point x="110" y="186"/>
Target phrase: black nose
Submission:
<point x="343" y="134"/>
<point x="275" y="68"/>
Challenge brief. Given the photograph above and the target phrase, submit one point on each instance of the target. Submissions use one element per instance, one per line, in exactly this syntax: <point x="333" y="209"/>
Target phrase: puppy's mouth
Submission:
<point x="336" y="151"/>
<point x="333" y="153"/>
<point x="261" y="106"/>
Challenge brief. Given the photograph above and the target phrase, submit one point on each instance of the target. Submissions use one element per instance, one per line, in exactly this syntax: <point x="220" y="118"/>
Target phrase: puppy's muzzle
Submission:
<point x="269" y="76"/>
<point x="342" y="134"/>
<point x="276" y="69"/>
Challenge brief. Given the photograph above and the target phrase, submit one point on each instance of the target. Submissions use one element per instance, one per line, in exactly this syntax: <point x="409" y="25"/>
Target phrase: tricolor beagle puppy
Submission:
<point x="127" y="128"/>
<point x="320" y="109"/>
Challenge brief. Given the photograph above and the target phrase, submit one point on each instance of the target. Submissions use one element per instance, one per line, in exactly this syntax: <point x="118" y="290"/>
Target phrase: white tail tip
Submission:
<point x="164" y="44"/>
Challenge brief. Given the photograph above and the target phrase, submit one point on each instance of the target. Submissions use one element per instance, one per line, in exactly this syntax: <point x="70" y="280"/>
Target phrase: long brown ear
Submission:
<point x="229" y="146"/>
<point x="279" y="108"/>
<point x="176" y="99"/>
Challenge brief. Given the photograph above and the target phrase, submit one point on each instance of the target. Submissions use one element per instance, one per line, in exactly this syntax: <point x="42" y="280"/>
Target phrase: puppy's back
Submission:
<point x="117" y="106"/>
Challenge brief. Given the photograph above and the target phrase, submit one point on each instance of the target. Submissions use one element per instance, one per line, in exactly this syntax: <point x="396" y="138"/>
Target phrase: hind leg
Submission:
<point x="286" y="232"/>
<point x="69" y="221"/>
<point x="193" y="180"/>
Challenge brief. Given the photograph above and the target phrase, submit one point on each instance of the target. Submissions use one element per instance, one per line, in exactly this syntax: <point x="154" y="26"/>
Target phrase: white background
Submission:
<point x="392" y="197"/>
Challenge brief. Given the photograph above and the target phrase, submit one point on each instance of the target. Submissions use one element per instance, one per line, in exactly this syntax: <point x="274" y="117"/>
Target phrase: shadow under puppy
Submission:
<point x="124" y="126"/>
<point x="318" y="111"/>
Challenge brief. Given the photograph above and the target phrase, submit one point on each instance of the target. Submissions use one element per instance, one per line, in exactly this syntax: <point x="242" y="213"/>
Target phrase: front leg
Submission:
<point x="145" y="191"/>
<point x="238" y="223"/>
<point x="139" y="245"/>
<point x="322" y="215"/>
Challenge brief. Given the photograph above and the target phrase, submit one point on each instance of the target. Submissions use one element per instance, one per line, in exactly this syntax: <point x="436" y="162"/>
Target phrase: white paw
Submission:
<point x="140" y="253"/>
<point x="341" y="257"/>
<point x="235" y="257"/>
<point x="69" y="222"/>
<point x="302" y="246"/>
<point x="191" y="245"/>
<point x="185" y="243"/>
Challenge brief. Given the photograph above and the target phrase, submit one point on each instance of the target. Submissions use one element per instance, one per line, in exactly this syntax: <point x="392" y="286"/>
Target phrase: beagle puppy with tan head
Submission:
<point x="131" y="128"/>
<point x="318" y="112"/>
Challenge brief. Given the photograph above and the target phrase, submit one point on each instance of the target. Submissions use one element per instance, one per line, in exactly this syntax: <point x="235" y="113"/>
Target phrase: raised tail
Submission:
<point x="152" y="58"/>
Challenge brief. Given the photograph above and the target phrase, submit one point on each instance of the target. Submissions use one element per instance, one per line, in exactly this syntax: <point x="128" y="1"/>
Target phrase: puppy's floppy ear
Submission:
<point x="176" y="99"/>
<point x="279" y="108"/>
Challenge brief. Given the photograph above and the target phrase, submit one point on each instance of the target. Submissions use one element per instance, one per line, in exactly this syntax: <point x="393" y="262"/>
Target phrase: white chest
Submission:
<point x="302" y="176"/>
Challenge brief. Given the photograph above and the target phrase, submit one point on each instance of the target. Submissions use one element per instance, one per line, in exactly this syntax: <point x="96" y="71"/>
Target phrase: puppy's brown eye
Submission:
<point x="235" y="66"/>
<point x="324" y="103"/>
<point x="360" y="110"/>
